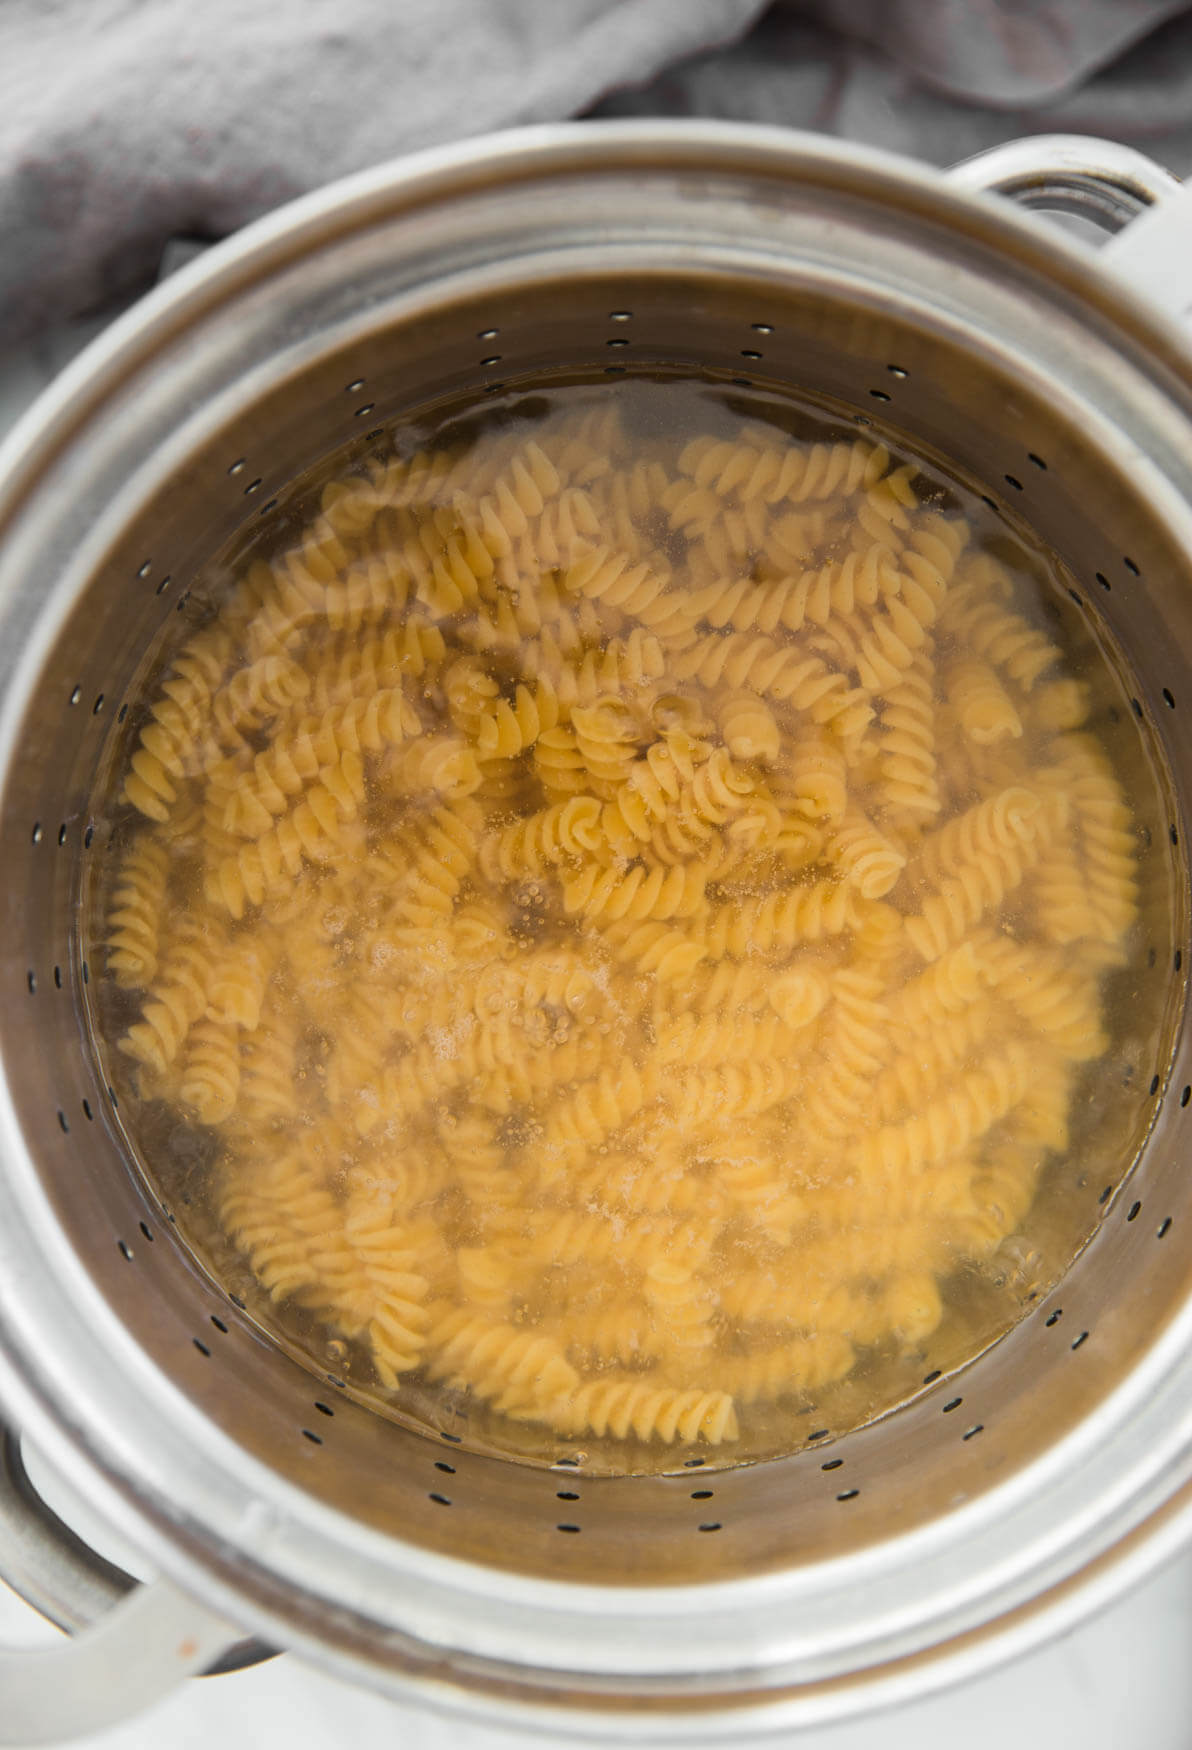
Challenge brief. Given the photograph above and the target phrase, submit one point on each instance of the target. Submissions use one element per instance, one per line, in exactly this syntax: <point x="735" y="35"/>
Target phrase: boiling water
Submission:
<point x="623" y="933"/>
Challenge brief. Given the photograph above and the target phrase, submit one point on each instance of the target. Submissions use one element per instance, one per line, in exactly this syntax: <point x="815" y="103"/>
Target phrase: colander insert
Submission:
<point x="723" y="256"/>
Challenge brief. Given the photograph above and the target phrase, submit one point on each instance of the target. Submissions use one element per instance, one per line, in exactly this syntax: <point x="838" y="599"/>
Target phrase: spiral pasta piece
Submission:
<point x="985" y="710"/>
<point x="797" y="473"/>
<point x="633" y="1405"/>
<point x="866" y="858"/>
<point x="907" y="764"/>
<point x="519" y="1369"/>
<point x="210" y="1079"/>
<point x="138" y="900"/>
<point x="635" y="893"/>
<point x="780" y="921"/>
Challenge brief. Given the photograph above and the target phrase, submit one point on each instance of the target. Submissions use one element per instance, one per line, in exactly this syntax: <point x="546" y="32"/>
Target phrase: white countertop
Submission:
<point x="1123" y="1681"/>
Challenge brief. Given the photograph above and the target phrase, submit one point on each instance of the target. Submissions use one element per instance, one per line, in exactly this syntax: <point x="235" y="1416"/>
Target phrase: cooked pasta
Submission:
<point x="630" y="914"/>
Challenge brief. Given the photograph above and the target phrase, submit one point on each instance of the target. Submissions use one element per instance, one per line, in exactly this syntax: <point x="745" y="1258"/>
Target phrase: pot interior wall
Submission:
<point x="966" y="1430"/>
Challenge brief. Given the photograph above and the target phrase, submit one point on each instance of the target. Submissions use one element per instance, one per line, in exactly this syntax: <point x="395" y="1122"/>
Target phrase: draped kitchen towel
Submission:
<point x="125" y="123"/>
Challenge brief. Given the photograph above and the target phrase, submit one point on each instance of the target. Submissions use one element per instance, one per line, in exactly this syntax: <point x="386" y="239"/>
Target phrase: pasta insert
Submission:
<point x="625" y="915"/>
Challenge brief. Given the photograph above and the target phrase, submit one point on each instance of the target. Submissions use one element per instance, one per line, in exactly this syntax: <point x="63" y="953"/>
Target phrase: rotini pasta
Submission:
<point x="628" y="914"/>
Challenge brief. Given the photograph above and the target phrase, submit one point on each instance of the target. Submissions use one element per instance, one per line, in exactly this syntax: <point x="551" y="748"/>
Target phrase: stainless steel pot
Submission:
<point x="1007" y="1499"/>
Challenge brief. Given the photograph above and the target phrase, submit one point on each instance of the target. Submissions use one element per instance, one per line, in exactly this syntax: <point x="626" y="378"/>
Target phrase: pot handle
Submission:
<point x="1146" y="210"/>
<point x="130" y="1644"/>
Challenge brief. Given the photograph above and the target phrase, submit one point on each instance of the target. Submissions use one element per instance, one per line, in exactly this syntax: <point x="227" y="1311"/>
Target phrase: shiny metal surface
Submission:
<point x="813" y="1598"/>
<point x="1101" y="180"/>
<point x="1146" y="210"/>
<point x="43" y="1560"/>
<point x="139" y="1651"/>
<point x="46" y="1563"/>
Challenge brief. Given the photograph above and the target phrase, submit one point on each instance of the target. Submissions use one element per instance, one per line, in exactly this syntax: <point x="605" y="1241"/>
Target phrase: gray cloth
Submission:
<point x="942" y="79"/>
<point x="124" y="123"/>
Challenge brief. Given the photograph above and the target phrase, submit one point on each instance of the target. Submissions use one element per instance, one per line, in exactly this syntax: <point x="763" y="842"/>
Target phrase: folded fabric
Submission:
<point x="997" y="53"/>
<point x="124" y="123"/>
<point x="942" y="79"/>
